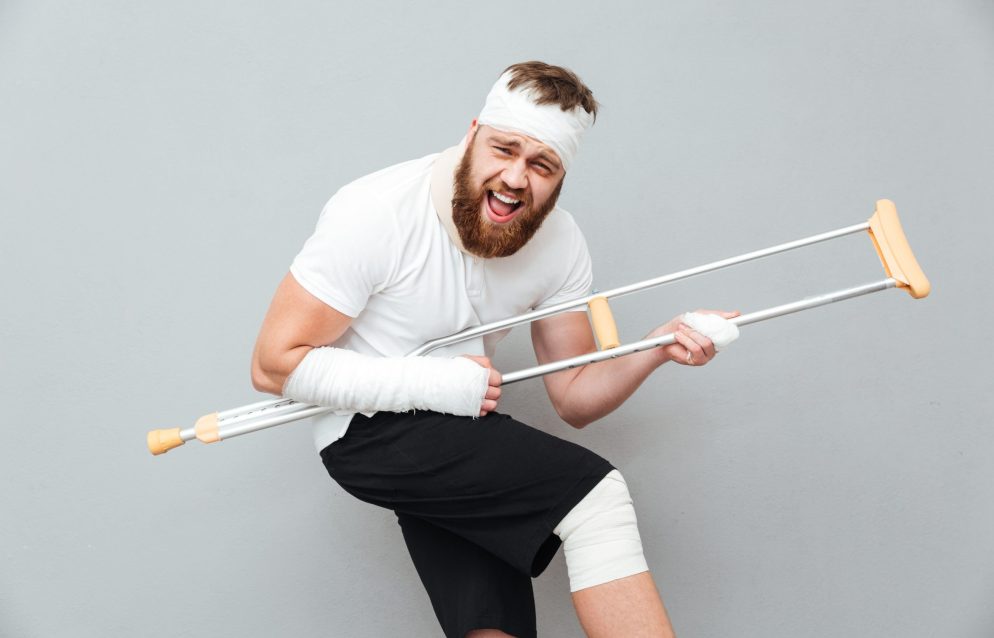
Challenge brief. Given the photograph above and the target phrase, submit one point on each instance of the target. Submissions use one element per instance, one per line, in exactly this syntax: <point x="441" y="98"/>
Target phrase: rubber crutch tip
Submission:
<point x="161" y="441"/>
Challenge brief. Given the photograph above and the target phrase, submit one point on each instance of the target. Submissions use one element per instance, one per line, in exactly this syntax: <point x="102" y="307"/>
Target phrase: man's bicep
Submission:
<point x="295" y="323"/>
<point x="560" y="337"/>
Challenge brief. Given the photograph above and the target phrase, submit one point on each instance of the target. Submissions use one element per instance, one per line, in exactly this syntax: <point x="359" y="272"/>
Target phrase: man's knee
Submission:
<point x="600" y="536"/>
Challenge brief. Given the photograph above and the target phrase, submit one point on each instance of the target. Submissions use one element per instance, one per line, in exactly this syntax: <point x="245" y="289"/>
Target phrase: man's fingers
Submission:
<point x="489" y="405"/>
<point x="493" y="392"/>
<point x="693" y="348"/>
<point x="704" y="342"/>
<point x="495" y="378"/>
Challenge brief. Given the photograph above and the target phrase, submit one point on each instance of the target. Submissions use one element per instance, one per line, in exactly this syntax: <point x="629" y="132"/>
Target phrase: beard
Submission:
<point x="479" y="235"/>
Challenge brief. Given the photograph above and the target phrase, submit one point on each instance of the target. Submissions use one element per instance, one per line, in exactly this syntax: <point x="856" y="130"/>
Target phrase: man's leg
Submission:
<point x="613" y="592"/>
<point x="629" y="607"/>
<point x="472" y="591"/>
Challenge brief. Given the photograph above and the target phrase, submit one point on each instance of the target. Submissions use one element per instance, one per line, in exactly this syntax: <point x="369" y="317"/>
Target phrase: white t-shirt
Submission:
<point x="381" y="255"/>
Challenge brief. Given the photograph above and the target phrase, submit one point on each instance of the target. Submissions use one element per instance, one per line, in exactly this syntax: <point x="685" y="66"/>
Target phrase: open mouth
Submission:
<point x="501" y="207"/>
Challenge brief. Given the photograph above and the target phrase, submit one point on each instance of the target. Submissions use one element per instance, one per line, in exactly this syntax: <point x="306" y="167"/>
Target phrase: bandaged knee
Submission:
<point x="351" y="382"/>
<point x="600" y="536"/>
<point x="719" y="330"/>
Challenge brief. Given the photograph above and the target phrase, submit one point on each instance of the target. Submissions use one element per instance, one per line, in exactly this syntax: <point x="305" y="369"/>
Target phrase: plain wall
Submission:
<point x="831" y="474"/>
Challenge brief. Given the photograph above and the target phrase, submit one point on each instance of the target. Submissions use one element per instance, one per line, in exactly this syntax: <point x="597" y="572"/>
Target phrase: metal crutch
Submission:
<point x="885" y="231"/>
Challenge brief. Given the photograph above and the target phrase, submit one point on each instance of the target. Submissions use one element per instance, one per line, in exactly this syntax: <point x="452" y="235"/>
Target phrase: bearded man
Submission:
<point x="428" y="248"/>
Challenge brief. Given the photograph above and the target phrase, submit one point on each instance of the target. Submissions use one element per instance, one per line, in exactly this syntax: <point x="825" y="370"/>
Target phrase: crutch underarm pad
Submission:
<point x="895" y="252"/>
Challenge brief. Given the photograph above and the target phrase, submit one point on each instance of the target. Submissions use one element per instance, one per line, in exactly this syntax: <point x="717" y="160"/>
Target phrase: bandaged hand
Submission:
<point x="493" y="384"/>
<point x="699" y="335"/>
<point x="347" y="381"/>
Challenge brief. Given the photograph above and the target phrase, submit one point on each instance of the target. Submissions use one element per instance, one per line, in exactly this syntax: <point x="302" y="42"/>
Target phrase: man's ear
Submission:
<point x="472" y="129"/>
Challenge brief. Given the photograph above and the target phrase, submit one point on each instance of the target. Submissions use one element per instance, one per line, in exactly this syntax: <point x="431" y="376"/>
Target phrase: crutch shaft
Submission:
<point x="665" y="340"/>
<point x="636" y="287"/>
<point x="529" y="317"/>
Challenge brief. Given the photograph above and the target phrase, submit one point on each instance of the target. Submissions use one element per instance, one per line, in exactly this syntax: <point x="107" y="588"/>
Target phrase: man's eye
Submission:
<point x="503" y="150"/>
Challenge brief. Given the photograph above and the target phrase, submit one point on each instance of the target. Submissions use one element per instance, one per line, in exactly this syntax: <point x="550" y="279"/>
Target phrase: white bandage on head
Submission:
<point x="600" y="536"/>
<point x="719" y="330"/>
<point x="351" y="382"/>
<point x="516" y="112"/>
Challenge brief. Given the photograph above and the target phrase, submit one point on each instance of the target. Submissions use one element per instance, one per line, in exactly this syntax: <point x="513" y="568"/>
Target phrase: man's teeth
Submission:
<point x="506" y="200"/>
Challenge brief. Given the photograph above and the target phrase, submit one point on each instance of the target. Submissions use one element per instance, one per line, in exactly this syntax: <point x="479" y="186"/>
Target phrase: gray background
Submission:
<point x="831" y="474"/>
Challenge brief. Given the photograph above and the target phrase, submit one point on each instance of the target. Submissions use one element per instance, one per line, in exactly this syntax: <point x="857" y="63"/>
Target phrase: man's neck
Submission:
<point x="442" y="183"/>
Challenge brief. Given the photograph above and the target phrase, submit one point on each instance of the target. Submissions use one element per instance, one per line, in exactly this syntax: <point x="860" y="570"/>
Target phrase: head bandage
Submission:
<point x="516" y="112"/>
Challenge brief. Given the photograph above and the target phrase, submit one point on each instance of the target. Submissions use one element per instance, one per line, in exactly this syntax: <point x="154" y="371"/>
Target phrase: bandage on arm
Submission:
<point x="351" y="382"/>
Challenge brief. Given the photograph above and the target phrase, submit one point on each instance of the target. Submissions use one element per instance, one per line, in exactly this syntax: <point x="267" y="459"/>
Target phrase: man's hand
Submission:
<point x="691" y="347"/>
<point x="493" y="391"/>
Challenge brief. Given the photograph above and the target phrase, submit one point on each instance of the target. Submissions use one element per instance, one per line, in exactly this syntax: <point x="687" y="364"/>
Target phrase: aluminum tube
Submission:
<point x="286" y="409"/>
<point x="813" y="302"/>
<point x="255" y="425"/>
<point x="227" y="414"/>
<point x="280" y="406"/>
<point x="642" y="285"/>
<point x="656" y="342"/>
<point x="584" y="359"/>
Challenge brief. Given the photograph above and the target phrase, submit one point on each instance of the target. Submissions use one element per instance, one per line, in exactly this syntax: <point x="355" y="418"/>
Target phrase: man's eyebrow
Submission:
<point x="549" y="159"/>
<point x="506" y="141"/>
<point x="513" y="143"/>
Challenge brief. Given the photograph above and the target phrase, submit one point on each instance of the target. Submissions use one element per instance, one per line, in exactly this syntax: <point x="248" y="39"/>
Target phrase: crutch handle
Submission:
<point x="895" y="252"/>
<point x="603" y="323"/>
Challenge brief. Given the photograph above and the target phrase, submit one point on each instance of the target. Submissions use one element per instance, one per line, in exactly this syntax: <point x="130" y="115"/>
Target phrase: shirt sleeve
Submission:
<point x="579" y="276"/>
<point x="352" y="253"/>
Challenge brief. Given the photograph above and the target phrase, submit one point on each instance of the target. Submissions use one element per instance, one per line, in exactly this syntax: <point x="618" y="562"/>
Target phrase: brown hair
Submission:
<point x="552" y="85"/>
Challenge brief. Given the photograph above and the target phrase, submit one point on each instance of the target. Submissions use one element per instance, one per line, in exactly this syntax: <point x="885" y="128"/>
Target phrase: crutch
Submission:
<point x="885" y="231"/>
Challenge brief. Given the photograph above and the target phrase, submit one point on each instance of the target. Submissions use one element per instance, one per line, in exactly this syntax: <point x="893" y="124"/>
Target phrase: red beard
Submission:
<point x="479" y="235"/>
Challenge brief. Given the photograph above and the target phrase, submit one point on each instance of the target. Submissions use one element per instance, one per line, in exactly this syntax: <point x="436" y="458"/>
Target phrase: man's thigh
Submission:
<point x="469" y="587"/>
<point x="498" y="483"/>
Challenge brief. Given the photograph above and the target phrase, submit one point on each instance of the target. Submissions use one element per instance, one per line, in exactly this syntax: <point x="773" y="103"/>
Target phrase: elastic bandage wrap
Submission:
<point x="351" y="382"/>
<point x="719" y="330"/>
<point x="600" y="536"/>
<point x="517" y="111"/>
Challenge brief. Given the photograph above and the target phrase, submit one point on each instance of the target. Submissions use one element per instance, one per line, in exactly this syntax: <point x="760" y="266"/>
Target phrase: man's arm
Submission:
<point x="583" y="395"/>
<point x="296" y="323"/>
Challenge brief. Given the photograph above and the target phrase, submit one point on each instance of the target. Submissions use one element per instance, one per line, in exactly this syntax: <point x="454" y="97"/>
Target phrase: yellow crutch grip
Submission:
<point x="895" y="252"/>
<point x="603" y="322"/>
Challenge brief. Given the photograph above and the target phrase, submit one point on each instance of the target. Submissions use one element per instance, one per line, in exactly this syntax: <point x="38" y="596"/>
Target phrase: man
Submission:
<point x="425" y="249"/>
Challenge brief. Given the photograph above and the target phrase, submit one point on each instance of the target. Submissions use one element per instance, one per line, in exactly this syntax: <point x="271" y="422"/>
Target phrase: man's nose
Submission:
<point x="515" y="175"/>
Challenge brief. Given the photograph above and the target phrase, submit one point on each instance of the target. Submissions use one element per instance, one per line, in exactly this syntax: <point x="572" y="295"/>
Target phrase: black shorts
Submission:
<point x="476" y="499"/>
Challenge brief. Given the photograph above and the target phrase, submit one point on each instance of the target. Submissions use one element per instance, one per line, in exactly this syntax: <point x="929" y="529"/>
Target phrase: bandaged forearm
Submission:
<point x="353" y="382"/>
<point x="719" y="330"/>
